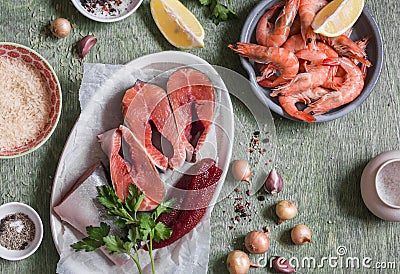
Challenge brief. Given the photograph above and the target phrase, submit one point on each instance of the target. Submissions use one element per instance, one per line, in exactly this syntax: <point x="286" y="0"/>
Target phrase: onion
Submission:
<point x="238" y="262"/>
<point x="241" y="170"/>
<point x="301" y="234"/>
<point x="60" y="27"/>
<point x="285" y="210"/>
<point x="257" y="242"/>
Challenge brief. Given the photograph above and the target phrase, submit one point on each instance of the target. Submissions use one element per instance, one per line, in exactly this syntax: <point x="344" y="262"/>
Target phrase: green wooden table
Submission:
<point x="321" y="164"/>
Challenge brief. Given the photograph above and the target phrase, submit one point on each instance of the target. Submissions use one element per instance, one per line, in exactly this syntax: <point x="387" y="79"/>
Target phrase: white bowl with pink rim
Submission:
<point x="31" y="246"/>
<point x="31" y="57"/>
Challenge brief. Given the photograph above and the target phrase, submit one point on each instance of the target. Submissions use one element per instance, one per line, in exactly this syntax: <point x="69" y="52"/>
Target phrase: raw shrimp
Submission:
<point x="301" y="66"/>
<point x="307" y="11"/>
<point x="295" y="43"/>
<point x="344" y="46"/>
<point x="350" y="89"/>
<point x="288" y="103"/>
<point x="315" y="76"/>
<point x="285" y="62"/>
<point x="274" y="35"/>
<point x="296" y="26"/>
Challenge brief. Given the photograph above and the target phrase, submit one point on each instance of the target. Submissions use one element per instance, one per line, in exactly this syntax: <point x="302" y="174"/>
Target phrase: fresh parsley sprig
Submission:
<point x="219" y="11"/>
<point x="95" y="238"/>
<point x="139" y="226"/>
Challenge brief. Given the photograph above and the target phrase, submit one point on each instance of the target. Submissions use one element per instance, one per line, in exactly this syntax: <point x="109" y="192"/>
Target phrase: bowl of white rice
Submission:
<point x="30" y="100"/>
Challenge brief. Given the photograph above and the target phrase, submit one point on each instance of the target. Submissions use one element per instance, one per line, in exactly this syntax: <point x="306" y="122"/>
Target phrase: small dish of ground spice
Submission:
<point x="107" y="10"/>
<point x="21" y="231"/>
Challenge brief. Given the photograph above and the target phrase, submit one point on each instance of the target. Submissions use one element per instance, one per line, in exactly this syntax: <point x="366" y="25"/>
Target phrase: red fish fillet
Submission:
<point x="192" y="98"/>
<point x="182" y="221"/>
<point x="137" y="170"/>
<point x="146" y="110"/>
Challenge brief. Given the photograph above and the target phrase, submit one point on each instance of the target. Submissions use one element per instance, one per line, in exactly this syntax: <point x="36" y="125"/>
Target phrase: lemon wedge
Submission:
<point x="178" y="25"/>
<point x="337" y="17"/>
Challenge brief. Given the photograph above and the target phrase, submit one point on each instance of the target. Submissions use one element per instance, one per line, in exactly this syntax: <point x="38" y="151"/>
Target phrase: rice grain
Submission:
<point x="24" y="103"/>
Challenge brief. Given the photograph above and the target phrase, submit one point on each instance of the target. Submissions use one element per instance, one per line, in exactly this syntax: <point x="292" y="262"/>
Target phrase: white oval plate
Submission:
<point x="82" y="149"/>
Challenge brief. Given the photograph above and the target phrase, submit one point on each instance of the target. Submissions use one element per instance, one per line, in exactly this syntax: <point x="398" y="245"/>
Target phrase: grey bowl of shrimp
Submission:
<point x="365" y="34"/>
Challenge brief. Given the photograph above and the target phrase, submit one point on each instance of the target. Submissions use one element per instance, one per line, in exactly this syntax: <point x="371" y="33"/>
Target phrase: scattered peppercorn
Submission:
<point x="103" y="7"/>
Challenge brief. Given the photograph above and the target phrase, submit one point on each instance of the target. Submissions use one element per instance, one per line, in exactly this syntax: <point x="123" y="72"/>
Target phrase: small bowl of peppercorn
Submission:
<point x="21" y="231"/>
<point x="106" y="11"/>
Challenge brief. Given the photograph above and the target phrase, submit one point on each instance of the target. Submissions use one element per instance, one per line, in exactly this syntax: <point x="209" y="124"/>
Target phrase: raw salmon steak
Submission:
<point x="148" y="115"/>
<point x="192" y="97"/>
<point x="134" y="167"/>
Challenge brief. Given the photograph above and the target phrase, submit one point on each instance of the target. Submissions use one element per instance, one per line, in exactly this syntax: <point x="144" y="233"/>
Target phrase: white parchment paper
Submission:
<point x="190" y="254"/>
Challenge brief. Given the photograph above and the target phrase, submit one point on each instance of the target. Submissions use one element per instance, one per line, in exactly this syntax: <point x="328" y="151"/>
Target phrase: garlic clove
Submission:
<point x="281" y="265"/>
<point x="85" y="45"/>
<point x="274" y="182"/>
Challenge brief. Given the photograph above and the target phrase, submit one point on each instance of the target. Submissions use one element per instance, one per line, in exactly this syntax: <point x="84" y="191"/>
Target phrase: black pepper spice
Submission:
<point x="103" y="7"/>
<point x="16" y="231"/>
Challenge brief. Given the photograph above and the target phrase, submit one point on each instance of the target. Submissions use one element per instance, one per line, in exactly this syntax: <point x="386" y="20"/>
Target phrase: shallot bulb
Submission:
<point x="60" y="27"/>
<point x="238" y="262"/>
<point x="274" y="182"/>
<point x="241" y="170"/>
<point x="285" y="210"/>
<point x="301" y="234"/>
<point x="257" y="242"/>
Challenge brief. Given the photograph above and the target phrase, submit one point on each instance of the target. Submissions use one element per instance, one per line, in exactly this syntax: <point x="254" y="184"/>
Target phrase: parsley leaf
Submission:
<point x="116" y="245"/>
<point x="218" y="11"/>
<point x="95" y="238"/>
<point x="134" y="198"/>
<point x="139" y="226"/>
<point x="161" y="232"/>
<point x="98" y="233"/>
<point x="205" y="2"/>
<point x="163" y="207"/>
<point x="115" y="207"/>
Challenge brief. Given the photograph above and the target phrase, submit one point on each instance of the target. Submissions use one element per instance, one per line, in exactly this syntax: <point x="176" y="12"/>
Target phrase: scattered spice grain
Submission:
<point x="261" y="198"/>
<point x="105" y="7"/>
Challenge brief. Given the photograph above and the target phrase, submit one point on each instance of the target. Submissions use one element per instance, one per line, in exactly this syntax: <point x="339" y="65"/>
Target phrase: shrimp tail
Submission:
<point x="288" y="104"/>
<point x="347" y="47"/>
<point x="331" y="62"/>
<point x="320" y="106"/>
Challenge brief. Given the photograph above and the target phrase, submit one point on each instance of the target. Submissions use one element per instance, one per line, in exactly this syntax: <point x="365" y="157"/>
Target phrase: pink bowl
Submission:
<point x="29" y="56"/>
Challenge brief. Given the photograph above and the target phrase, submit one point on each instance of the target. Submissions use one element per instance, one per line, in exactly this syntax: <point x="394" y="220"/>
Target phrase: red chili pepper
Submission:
<point x="203" y="185"/>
